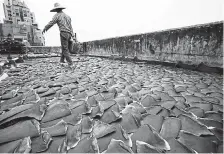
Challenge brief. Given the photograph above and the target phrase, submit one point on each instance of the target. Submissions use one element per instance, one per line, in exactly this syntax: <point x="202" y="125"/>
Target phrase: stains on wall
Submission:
<point x="170" y="45"/>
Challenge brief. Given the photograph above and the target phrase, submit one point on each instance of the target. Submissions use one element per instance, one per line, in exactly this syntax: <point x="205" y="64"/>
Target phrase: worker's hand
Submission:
<point x="44" y="30"/>
<point x="73" y="39"/>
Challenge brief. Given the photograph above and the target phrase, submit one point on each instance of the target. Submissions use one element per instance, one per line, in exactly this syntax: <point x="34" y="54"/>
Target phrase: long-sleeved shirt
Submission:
<point x="63" y="21"/>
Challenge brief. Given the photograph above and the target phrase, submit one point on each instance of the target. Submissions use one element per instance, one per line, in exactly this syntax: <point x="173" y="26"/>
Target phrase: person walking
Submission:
<point x="66" y="32"/>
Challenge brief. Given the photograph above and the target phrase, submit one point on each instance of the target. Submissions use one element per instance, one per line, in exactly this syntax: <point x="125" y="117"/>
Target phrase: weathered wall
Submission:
<point x="44" y="50"/>
<point x="190" y="45"/>
<point x="51" y="49"/>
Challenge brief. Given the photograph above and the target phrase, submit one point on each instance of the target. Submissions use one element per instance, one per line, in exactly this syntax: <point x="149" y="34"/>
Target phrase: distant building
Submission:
<point x="20" y="23"/>
<point x="17" y="12"/>
<point x="38" y="37"/>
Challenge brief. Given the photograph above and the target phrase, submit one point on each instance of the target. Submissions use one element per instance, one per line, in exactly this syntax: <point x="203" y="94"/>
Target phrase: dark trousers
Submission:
<point x="66" y="46"/>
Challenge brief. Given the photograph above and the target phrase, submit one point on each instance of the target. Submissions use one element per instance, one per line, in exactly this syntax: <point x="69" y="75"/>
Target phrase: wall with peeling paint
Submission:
<point x="190" y="45"/>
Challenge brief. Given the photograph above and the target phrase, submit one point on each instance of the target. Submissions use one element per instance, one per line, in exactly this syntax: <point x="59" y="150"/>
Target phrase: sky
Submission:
<point x="100" y="19"/>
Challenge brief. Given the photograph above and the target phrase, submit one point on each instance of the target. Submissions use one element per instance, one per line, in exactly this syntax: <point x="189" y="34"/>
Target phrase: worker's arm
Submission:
<point x="51" y="23"/>
<point x="73" y="36"/>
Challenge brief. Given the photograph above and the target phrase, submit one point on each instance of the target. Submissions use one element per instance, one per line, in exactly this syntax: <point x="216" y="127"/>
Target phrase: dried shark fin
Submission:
<point x="100" y="129"/>
<point x="118" y="146"/>
<point x="191" y="125"/>
<point x="41" y="143"/>
<point x="73" y="136"/>
<point x="143" y="147"/>
<point x="25" y="146"/>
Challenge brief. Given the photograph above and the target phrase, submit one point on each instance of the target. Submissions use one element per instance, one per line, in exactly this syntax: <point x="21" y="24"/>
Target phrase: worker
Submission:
<point x="66" y="32"/>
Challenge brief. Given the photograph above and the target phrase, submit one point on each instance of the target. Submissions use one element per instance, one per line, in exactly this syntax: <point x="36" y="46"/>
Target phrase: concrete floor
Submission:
<point x="109" y="106"/>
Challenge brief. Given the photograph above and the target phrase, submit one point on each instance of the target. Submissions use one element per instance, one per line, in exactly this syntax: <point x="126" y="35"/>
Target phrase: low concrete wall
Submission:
<point x="44" y="50"/>
<point x="189" y="45"/>
<point x="51" y="49"/>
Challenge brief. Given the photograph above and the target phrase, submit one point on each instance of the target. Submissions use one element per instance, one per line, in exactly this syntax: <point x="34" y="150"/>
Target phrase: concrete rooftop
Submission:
<point x="109" y="106"/>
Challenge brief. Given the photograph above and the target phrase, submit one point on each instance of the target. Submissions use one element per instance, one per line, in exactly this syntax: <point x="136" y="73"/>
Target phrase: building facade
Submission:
<point x="20" y="23"/>
<point x="17" y="12"/>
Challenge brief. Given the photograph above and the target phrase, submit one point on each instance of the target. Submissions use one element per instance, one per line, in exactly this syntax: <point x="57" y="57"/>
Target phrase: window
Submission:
<point x="8" y="11"/>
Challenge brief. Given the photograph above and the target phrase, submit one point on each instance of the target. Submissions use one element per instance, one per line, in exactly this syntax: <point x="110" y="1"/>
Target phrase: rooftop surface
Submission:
<point x="109" y="106"/>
